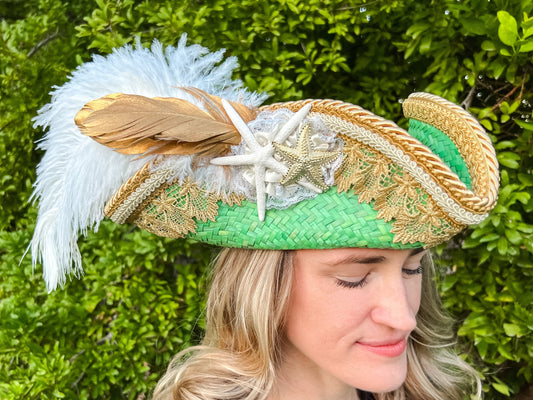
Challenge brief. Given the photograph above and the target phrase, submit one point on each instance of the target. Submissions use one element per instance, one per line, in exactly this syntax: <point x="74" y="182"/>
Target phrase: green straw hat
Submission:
<point x="392" y="189"/>
<point x="202" y="161"/>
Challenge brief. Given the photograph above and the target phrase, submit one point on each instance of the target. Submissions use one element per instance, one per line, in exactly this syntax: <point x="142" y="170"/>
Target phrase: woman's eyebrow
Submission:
<point x="355" y="259"/>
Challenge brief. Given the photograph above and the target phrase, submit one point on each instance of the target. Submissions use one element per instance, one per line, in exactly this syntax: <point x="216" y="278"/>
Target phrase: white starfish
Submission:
<point x="262" y="157"/>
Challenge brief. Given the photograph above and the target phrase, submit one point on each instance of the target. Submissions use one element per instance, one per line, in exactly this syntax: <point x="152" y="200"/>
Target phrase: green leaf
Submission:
<point x="490" y="237"/>
<point x="425" y="44"/>
<point x="474" y="25"/>
<point x="502" y="246"/>
<point x="510" y="74"/>
<point x="511" y="329"/>
<point x="486" y="124"/>
<point x="504" y="107"/>
<point x="505" y="52"/>
<point x="513" y="236"/>
<point x="505" y="144"/>
<point x="482" y="348"/>
<point x="527" y="26"/>
<point x="522" y="197"/>
<point x="449" y="282"/>
<point x="514" y="106"/>
<point x="526" y="46"/>
<point x="411" y="48"/>
<point x="508" y="159"/>
<point x="526" y="179"/>
<point x="488" y="45"/>
<point x="508" y="29"/>
<point x="524" y="124"/>
<point x="416" y="29"/>
<point x="502" y="388"/>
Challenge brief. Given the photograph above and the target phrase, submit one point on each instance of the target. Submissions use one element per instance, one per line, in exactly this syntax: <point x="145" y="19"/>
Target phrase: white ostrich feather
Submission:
<point x="77" y="175"/>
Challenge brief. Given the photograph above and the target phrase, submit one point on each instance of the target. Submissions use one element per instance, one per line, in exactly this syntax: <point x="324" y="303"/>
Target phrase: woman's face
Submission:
<point x="349" y="315"/>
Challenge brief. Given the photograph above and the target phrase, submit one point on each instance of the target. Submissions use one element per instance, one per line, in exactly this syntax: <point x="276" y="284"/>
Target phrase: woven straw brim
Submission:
<point x="327" y="221"/>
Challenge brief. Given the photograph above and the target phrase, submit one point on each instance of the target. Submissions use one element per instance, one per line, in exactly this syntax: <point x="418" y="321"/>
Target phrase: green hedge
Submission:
<point x="111" y="334"/>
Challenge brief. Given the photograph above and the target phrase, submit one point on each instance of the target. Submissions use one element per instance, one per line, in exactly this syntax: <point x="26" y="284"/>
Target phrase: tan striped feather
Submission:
<point x="133" y="124"/>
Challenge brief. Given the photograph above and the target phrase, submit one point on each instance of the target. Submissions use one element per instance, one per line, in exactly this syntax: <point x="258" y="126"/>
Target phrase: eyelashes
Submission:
<point x="416" y="271"/>
<point x="352" y="284"/>
<point x="362" y="282"/>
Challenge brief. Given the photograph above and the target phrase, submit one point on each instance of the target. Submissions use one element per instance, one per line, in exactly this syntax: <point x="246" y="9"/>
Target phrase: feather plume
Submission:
<point x="77" y="175"/>
<point x="133" y="124"/>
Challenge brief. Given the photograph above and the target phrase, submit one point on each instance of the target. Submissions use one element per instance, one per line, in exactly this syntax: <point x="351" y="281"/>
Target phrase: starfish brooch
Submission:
<point x="304" y="162"/>
<point x="261" y="157"/>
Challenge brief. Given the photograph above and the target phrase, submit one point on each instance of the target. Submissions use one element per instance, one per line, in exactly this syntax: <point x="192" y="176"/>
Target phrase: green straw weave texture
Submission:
<point x="442" y="146"/>
<point x="330" y="220"/>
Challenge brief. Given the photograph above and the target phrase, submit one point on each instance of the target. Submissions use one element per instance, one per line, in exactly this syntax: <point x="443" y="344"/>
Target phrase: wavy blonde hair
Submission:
<point x="242" y="347"/>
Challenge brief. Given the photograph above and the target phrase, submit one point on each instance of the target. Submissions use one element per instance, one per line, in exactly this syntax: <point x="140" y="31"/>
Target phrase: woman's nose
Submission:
<point x="394" y="305"/>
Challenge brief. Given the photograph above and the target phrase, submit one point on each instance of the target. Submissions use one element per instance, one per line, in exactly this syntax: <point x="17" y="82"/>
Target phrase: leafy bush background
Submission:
<point x="111" y="334"/>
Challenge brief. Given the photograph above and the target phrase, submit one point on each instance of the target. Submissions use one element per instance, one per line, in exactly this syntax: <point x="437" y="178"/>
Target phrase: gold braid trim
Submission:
<point x="168" y="208"/>
<point x="126" y="190"/>
<point x="419" y="153"/>
<point x="470" y="138"/>
<point x="356" y="134"/>
<point x="135" y="196"/>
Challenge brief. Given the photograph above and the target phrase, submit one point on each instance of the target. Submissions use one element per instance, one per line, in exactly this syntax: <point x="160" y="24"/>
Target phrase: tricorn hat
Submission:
<point x="167" y="140"/>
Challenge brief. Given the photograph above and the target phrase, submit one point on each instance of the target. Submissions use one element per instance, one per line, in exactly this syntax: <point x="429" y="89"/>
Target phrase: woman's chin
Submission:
<point x="383" y="387"/>
<point x="384" y="381"/>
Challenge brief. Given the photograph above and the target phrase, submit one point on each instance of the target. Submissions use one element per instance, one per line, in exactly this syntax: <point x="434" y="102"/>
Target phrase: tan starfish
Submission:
<point x="305" y="162"/>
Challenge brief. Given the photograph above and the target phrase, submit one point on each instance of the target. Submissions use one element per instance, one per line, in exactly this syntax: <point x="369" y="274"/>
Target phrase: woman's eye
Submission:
<point x="352" y="284"/>
<point x="411" y="271"/>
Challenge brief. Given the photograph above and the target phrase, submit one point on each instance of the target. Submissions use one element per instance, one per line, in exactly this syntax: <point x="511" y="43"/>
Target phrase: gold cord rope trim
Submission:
<point x="352" y="133"/>
<point x="401" y="139"/>
<point x="139" y="195"/>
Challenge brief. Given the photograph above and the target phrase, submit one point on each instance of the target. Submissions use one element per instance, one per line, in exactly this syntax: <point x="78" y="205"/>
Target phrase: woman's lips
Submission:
<point x="390" y="349"/>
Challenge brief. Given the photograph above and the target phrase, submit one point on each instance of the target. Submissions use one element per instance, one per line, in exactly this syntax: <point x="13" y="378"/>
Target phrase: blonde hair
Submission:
<point x="241" y="350"/>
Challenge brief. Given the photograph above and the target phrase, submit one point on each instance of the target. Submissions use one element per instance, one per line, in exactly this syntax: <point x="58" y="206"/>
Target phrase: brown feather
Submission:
<point x="133" y="124"/>
<point x="213" y="104"/>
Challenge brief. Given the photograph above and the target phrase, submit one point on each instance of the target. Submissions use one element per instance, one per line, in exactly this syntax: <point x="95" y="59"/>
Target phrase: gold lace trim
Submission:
<point x="397" y="196"/>
<point x="174" y="209"/>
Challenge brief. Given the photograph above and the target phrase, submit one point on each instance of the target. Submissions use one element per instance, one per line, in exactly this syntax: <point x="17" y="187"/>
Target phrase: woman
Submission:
<point x="325" y="290"/>
<point x="309" y="324"/>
